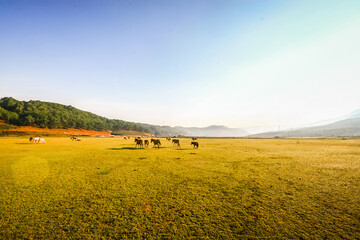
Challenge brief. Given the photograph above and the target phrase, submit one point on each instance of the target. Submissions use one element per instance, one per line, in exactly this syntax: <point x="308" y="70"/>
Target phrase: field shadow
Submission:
<point x="103" y="173"/>
<point x="124" y="148"/>
<point x="132" y="148"/>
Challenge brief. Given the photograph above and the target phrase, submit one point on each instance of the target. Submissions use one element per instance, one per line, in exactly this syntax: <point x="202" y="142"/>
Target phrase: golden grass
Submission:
<point x="226" y="189"/>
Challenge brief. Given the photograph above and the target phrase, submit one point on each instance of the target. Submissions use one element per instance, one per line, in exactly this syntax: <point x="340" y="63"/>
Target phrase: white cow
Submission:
<point x="37" y="140"/>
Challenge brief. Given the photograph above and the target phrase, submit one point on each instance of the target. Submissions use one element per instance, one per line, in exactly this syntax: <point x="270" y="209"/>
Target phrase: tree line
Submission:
<point x="54" y="115"/>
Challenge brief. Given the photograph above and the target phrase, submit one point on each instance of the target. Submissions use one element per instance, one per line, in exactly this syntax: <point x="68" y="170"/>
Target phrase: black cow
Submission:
<point x="196" y="144"/>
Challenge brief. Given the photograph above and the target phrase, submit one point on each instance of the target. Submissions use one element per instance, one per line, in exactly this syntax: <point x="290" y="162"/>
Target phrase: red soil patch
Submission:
<point x="58" y="131"/>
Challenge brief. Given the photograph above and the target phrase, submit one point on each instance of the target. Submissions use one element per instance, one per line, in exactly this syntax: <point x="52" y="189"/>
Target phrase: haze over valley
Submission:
<point x="54" y="115"/>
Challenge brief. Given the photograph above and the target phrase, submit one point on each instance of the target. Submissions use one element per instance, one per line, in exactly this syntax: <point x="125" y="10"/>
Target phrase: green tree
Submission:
<point x="29" y="120"/>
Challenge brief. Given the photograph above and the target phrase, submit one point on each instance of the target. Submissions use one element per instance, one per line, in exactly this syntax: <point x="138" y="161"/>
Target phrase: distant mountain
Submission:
<point x="350" y="126"/>
<point x="164" y="131"/>
<point x="259" y="129"/>
<point x="213" y="131"/>
<point x="354" y="114"/>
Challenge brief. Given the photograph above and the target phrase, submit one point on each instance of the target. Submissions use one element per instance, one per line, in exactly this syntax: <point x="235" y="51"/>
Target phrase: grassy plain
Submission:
<point x="103" y="188"/>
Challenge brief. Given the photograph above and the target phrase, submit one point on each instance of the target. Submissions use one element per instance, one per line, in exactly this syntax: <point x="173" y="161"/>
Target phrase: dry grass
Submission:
<point x="226" y="189"/>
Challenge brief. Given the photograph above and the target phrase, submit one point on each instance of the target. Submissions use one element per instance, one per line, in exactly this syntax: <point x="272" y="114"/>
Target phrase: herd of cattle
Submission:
<point x="139" y="142"/>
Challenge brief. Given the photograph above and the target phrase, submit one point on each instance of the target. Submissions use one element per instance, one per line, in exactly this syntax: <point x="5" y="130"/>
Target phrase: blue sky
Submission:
<point x="190" y="63"/>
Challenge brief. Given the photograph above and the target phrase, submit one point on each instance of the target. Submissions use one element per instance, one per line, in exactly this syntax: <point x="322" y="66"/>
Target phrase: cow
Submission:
<point x="146" y="143"/>
<point x="168" y="138"/>
<point x="194" y="138"/>
<point x="139" y="142"/>
<point x="72" y="138"/>
<point x="176" y="142"/>
<point x="156" y="142"/>
<point x="196" y="144"/>
<point x="37" y="140"/>
<point x="125" y="138"/>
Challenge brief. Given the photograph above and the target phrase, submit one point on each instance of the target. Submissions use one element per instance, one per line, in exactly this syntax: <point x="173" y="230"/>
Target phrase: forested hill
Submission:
<point x="54" y="115"/>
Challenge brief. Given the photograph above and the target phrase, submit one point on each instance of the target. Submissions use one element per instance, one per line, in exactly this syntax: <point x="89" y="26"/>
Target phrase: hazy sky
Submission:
<point x="189" y="63"/>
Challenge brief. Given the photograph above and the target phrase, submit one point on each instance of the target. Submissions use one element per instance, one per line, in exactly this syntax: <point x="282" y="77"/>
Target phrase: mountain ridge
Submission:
<point x="348" y="127"/>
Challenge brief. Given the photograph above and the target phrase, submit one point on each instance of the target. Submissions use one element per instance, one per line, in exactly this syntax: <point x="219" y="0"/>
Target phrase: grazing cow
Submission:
<point x="196" y="144"/>
<point x="146" y="143"/>
<point x="168" y="138"/>
<point x="72" y="138"/>
<point x="194" y="138"/>
<point x="37" y="140"/>
<point x="139" y="142"/>
<point x="156" y="142"/>
<point x="176" y="142"/>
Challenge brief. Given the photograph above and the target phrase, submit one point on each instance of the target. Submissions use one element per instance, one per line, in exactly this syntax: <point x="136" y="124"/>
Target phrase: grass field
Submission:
<point x="103" y="188"/>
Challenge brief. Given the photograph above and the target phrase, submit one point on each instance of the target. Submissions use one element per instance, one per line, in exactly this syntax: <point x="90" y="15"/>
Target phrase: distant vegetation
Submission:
<point x="6" y="126"/>
<point x="54" y="115"/>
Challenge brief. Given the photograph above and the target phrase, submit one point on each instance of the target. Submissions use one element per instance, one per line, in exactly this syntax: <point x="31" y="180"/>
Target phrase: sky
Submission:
<point x="245" y="64"/>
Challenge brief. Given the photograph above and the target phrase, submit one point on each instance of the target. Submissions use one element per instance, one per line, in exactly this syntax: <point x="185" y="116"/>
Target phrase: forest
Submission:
<point x="53" y="115"/>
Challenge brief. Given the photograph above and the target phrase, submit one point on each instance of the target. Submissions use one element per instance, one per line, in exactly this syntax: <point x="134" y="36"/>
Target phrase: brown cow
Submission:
<point x="176" y="142"/>
<point x="139" y="142"/>
<point x="156" y="142"/>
